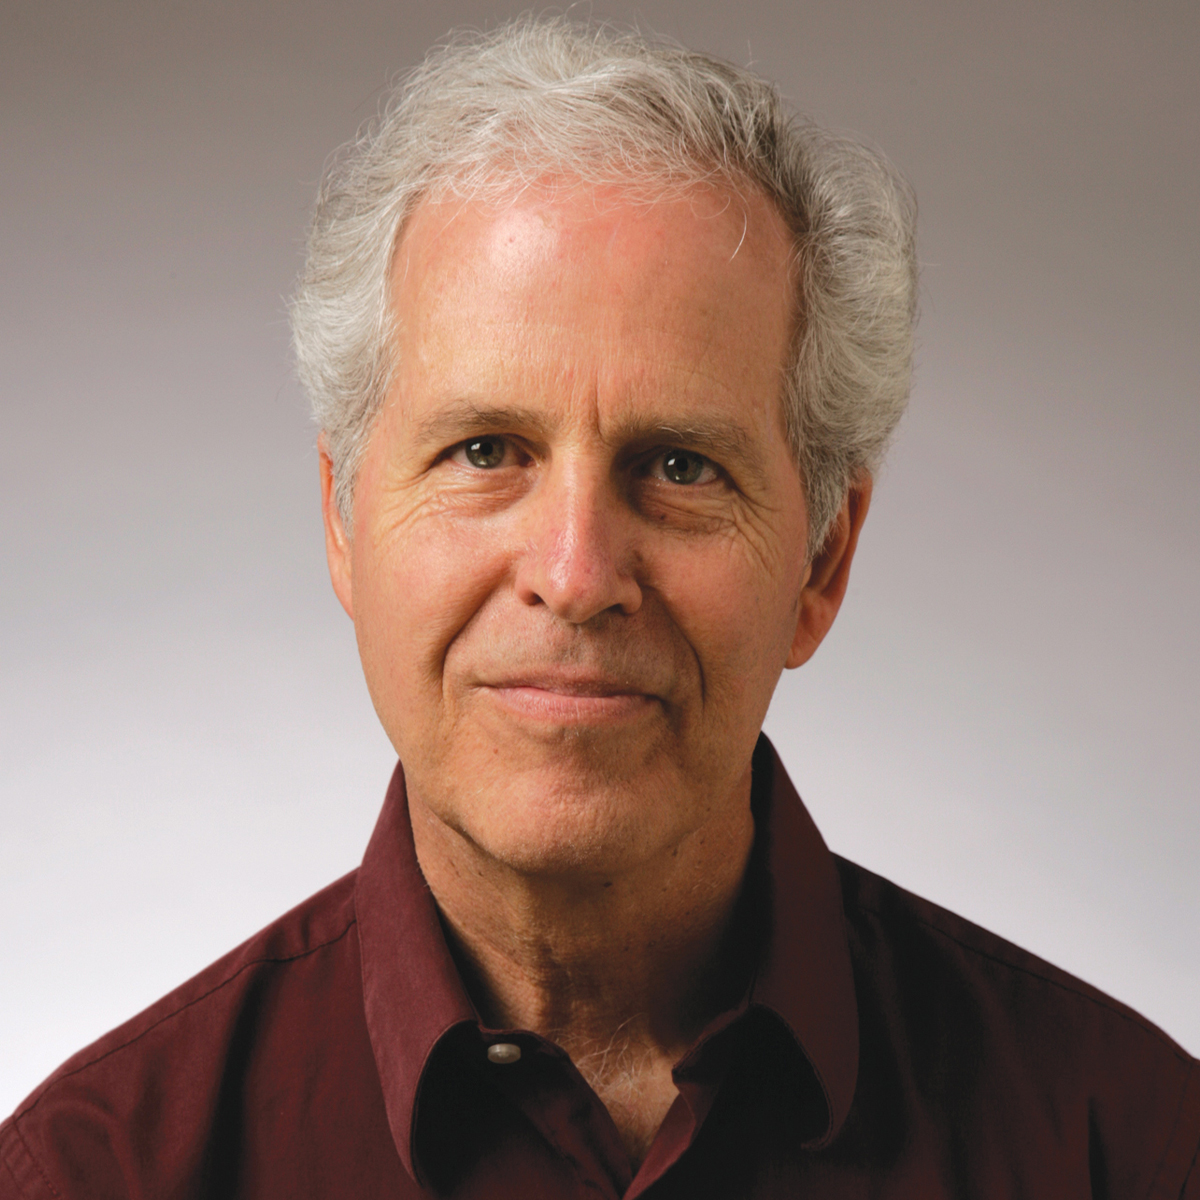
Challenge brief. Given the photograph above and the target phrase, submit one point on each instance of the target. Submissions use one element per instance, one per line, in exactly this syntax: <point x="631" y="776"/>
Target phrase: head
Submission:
<point x="487" y="114"/>
<point x="605" y="350"/>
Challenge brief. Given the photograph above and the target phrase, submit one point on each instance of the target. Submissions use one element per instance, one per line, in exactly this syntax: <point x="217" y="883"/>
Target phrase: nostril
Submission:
<point x="577" y="586"/>
<point x="578" y="556"/>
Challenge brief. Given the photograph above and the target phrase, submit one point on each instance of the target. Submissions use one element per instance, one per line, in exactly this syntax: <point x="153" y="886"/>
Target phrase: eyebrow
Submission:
<point x="722" y="440"/>
<point x="460" y="418"/>
<point x="725" y="441"/>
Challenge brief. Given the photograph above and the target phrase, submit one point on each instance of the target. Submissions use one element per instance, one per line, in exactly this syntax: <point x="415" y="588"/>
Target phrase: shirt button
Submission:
<point x="503" y="1052"/>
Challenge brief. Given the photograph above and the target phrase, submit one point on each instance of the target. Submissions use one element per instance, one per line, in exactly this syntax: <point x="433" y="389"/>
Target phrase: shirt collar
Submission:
<point x="412" y="992"/>
<point x="414" y="997"/>
<point x="805" y="976"/>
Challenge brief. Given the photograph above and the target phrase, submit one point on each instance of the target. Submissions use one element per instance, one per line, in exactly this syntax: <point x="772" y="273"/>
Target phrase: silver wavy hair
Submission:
<point x="493" y="112"/>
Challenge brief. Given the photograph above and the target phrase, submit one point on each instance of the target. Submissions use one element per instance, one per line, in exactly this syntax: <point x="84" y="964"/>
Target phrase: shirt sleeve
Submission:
<point x="21" y="1178"/>
<point x="1191" y="1185"/>
<point x="1189" y="1140"/>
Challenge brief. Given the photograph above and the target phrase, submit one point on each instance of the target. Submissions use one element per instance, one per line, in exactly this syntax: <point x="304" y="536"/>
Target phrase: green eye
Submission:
<point x="681" y="466"/>
<point x="485" y="452"/>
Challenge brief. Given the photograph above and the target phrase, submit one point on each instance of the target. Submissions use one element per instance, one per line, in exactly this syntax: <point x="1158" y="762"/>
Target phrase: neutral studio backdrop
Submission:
<point x="1005" y="716"/>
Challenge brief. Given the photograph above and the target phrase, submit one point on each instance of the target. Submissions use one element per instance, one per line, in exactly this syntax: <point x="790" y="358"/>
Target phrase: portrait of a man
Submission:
<point x="605" y="347"/>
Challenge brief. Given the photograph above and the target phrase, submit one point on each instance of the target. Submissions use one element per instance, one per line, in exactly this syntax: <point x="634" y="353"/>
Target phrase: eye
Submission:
<point x="484" y="452"/>
<point x="685" y="466"/>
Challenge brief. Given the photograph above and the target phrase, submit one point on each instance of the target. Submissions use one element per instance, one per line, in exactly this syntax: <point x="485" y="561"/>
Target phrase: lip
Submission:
<point x="571" y="700"/>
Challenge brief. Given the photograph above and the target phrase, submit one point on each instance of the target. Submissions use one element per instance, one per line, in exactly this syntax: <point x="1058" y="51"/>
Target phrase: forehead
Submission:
<point x="564" y="287"/>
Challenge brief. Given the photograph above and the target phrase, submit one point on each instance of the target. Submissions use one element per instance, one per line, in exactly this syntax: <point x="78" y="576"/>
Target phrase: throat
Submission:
<point x="637" y="1089"/>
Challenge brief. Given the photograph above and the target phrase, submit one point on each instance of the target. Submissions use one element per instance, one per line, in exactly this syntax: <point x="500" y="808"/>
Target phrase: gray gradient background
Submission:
<point x="1004" y="718"/>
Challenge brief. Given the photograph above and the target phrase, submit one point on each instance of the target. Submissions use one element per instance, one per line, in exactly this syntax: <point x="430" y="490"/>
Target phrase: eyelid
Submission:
<point x="458" y="452"/>
<point x="655" y="457"/>
<point x="650" y="461"/>
<point x="515" y="452"/>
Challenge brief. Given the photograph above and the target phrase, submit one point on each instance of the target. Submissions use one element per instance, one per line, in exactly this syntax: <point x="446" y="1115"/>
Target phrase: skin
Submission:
<point x="572" y="651"/>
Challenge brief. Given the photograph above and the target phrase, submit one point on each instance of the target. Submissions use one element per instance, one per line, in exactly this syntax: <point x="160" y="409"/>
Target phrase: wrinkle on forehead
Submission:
<point x="561" y="296"/>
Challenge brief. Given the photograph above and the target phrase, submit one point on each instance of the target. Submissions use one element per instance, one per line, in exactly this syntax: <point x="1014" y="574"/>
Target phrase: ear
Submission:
<point x="829" y="573"/>
<point x="337" y="544"/>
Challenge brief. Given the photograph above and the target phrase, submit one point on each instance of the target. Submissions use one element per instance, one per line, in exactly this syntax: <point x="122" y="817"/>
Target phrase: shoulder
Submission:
<point x="306" y="931"/>
<point x="173" y="1070"/>
<point x="920" y="933"/>
<point x="962" y="1022"/>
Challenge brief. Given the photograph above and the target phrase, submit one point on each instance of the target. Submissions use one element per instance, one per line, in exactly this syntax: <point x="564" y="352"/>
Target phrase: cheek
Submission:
<point x="418" y="587"/>
<point x="738" y="617"/>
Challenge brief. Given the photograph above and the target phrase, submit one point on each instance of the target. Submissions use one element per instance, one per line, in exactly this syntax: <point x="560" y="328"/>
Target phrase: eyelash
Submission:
<point x="702" y="465"/>
<point x="463" y="450"/>
<point x="691" y="461"/>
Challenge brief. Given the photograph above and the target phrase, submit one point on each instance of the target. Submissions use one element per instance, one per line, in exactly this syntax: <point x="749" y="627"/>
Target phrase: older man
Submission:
<point x="605" y="351"/>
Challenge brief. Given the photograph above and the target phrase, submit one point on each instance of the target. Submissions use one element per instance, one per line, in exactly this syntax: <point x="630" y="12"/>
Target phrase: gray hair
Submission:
<point x="544" y="96"/>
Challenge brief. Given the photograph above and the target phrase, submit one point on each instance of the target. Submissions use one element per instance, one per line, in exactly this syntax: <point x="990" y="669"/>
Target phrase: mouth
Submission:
<point x="571" y="699"/>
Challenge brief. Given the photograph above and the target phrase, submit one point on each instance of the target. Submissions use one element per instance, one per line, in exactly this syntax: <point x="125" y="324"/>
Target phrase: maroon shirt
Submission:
<point x="885" y="1048"/>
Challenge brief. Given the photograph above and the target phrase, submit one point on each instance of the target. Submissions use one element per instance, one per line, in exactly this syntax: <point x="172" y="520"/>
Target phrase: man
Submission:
<point x="605" y="352"/>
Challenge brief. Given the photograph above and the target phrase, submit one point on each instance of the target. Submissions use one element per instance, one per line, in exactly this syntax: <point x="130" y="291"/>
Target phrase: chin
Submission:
<point x="555" y="822"/>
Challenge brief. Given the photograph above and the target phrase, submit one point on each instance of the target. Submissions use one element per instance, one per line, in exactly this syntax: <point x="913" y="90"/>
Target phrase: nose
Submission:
<point x="579" y="557"/>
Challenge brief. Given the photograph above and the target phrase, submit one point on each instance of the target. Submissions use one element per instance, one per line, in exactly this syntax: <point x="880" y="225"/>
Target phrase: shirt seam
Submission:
<point x="254" y="962"/>
<point x="1170" y="1142"/>
<point x="1192" y="1166"/>
<point x="1177" y="1051"/>
<point x="29" y="1154"/>
<point x="1099" y="1000"/>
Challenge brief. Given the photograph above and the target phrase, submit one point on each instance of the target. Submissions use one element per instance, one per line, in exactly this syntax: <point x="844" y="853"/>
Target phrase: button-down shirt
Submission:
<point x="883" y="1048"/>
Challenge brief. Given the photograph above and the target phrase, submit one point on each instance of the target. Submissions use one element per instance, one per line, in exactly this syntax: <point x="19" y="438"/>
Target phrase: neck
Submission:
<point x="622" y="967"/>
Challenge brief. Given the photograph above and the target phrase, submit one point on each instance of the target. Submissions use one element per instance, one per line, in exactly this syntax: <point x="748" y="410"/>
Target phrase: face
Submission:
<point x="578" y="563"/>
